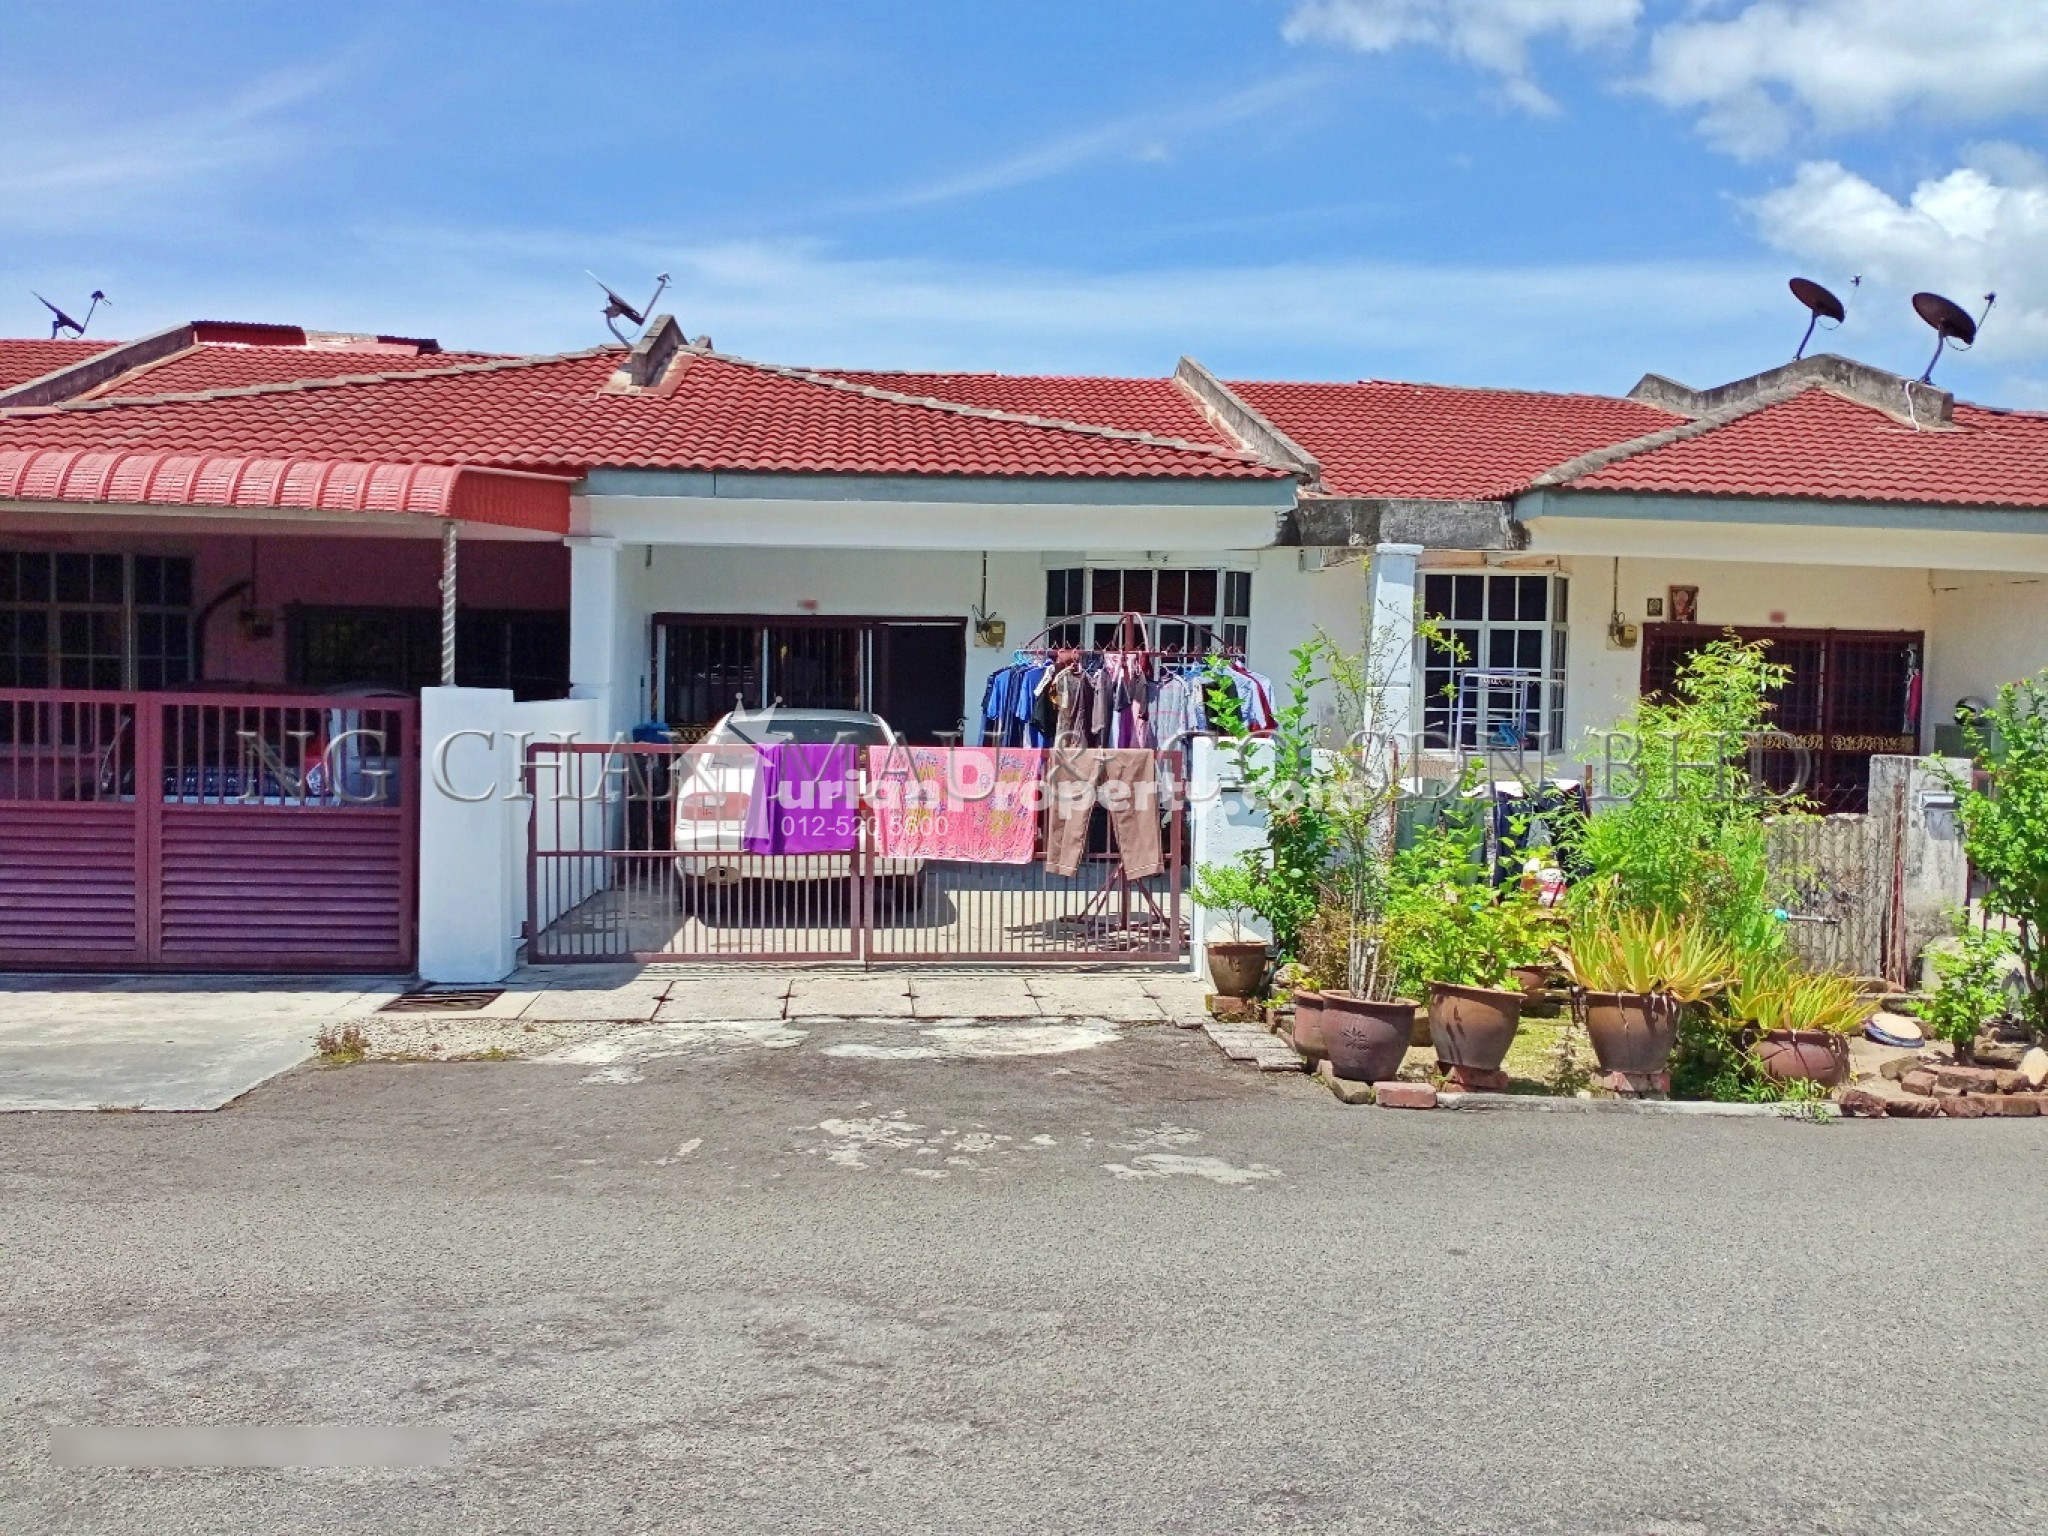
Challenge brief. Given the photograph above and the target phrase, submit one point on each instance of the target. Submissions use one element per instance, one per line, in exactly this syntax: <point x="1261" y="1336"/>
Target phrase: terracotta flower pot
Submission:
<point x="1631" y="1031"/>
<point x="1238" y="966"/>
<point x="1473" y="1026"/>
<point x="1532" y="979"/>
<point x="1366" y="1040"/>
<point x="1786" y="1055"/>
<point x="1310" y="1022"/>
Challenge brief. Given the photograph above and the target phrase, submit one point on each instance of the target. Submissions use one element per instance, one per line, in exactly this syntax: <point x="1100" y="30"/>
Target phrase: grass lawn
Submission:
<point x="1532" y="1060"/>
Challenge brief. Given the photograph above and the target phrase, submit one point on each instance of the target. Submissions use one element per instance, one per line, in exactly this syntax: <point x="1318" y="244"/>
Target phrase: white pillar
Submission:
<point x="594" y="629"/>
<point x="471" y="896"/>
<point x="1391" y="593"/>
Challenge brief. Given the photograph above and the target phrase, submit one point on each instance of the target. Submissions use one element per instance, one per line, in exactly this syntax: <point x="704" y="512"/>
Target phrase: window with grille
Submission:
<point x="330" y="648"/>
<point x="1174" y="610"/>
<point x="1495" y="680"/>
<point x="72" y="620"/>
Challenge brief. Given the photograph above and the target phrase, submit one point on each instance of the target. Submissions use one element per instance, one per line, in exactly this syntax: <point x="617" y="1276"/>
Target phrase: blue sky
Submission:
<point x="1552" y="193"/>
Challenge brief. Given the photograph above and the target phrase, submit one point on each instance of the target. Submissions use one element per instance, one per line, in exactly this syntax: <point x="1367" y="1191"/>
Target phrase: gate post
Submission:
<point x="469" y="901"/>
<point x="149" y="826"/>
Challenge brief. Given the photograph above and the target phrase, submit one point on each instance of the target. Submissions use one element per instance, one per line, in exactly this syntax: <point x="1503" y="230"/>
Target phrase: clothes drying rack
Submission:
<point x="1115" y="909"/>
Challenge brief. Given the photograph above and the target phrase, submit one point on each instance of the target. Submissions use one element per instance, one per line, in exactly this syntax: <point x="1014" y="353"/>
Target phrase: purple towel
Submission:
<point x="806" y="799"/>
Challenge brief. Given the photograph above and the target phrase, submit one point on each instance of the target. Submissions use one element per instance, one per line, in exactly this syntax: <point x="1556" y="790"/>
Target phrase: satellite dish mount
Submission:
<point x="1952" y="324"/>
<point x="61" y="322"/>
<point x="617" y="309"/>
<point x="1821" y="304"/>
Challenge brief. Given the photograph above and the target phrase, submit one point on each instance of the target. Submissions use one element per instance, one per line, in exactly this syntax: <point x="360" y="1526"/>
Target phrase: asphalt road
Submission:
<point x="1126" y="1290"/>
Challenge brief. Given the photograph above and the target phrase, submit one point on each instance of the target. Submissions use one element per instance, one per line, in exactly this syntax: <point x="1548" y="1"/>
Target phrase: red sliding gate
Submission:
<point x="207" y="832"/>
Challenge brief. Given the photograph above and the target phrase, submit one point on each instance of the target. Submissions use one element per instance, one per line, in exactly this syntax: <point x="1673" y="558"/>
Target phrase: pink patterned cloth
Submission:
<point x="974" y="804"/>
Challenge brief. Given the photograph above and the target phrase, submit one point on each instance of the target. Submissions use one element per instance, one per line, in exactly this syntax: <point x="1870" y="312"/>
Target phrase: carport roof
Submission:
<point x="462" y="492"/>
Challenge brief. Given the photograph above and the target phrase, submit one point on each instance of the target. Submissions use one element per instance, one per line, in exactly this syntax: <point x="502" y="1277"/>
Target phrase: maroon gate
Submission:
<point x="605" y="882"/>
<point x="207" y="832"/>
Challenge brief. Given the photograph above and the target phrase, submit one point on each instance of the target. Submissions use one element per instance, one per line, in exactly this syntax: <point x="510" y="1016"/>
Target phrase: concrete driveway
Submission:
<point x="163" y="1042"/>
<point x="199" y="1042"/>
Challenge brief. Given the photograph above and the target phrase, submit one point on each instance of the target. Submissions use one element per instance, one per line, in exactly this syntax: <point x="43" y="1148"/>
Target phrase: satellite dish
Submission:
<point x="617" y="309"/>
<point x="61" y="322"/>
<point x="1951" y="322"/>
<point x="1823" y="306"/>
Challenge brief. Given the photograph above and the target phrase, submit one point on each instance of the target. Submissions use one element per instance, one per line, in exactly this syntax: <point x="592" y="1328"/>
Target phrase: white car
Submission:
<point x="714" y="787"/>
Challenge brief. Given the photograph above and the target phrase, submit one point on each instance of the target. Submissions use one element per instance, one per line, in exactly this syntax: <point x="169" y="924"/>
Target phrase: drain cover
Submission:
<point x="454" y="1000"/>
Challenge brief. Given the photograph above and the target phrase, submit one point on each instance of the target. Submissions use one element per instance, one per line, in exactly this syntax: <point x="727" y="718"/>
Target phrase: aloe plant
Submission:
<point x="1777" y="995"/>
<point x="1614" y="949"/>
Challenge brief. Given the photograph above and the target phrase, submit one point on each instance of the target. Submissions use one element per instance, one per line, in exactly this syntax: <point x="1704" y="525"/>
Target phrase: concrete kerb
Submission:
<point x="1542" y="1104"/>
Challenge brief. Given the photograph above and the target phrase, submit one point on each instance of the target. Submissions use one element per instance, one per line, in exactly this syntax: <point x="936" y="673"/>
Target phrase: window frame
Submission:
<point x="1075" y="614"/>
<point x="1479" y="629"/>
<point x="162" y="666"/>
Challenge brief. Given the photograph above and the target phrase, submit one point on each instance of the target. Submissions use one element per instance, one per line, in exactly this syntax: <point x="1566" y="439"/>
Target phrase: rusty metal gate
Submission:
<point x="1837" y="878"/>
<point x="207" y="832"/>
<point x="605" y="882"/>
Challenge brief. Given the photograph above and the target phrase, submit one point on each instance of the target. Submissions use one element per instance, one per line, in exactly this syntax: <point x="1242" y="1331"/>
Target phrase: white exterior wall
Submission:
<point x="473" y="824"/>
<point x="1602" y="681"/>
<point x="1990" y="628"/>
<point x="1288" y="604"/>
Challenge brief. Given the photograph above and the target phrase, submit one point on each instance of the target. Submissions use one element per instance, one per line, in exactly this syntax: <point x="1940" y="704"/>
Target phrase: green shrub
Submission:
<point x="1686" y="834"/>
<point x="2005" y="826"/>
<point x="1972" y="990"/>
<point x="1444" y="921"/>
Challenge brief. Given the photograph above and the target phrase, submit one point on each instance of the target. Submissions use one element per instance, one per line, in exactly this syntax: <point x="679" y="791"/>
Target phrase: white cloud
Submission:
<point x="1595" y="326"/>
<point x="1141" y="137"/>
<point x="79" y="162"/>
<point x="1980" y="228"/>
<point x="1755" y="76"/>
<point x="1494" y="35"/>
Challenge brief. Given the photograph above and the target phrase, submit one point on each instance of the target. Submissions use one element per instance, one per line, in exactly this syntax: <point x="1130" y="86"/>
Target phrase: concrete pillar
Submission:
<point x="1391" y="604"/>
<point x="594" y="628"/>
<point x="1920" y="846"/>
<point x="1223" y="826"/>
<point x="471" y="873"/>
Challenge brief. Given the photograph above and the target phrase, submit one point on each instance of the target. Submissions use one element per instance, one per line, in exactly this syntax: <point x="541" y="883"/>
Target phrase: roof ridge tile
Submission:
<point x="989" y="413"/>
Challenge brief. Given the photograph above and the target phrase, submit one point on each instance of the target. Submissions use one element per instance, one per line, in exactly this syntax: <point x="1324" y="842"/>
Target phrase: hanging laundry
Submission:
<point x="1126" y="782"/>
<point x="805" y="799"/>
<point x="972" y="804"/>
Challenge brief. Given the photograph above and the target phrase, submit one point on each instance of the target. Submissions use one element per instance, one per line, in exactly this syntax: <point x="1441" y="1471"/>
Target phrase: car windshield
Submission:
<point x="802" y="728"/>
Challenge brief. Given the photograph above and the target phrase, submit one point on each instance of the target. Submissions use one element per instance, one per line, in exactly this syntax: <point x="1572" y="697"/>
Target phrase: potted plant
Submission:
<point x="1322" y="967"/>
<point x="1237" y="965"/>
<point x="1462" y="940"/>
<point x="1801" y="1021"/>
<point x="1367" y="1022"/>
<point x="1632" y="973"/>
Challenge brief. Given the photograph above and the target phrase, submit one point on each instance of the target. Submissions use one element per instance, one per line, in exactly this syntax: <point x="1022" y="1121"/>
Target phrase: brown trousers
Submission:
<point x="1123" y="779"/>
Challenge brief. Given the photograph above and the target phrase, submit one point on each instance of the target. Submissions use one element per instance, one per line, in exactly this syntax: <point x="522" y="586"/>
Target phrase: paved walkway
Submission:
<point x="164" y="1042"/>
<point x="199" y="1042"/>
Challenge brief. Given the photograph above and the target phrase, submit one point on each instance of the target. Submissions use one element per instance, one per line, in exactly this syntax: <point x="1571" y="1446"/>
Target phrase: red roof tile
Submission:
<point x="22" y="359"/>
<point x="229" y="480"/>
<point x="1822" y="445"/>
<point x="1378" y="438"/>
<point x="557" y="414"/>
<point x="212" y="366"/>
<point x="1157" y="406"/>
